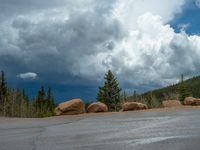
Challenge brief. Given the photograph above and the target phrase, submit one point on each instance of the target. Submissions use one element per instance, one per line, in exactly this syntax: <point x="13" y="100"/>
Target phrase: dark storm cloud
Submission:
<point x="37" y="42"/>
<point x="76" y="41"/>
<point x="12" y="8"/>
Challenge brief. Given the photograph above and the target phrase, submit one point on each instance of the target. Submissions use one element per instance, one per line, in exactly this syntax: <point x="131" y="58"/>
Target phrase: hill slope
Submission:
<point x="193" y="85"/>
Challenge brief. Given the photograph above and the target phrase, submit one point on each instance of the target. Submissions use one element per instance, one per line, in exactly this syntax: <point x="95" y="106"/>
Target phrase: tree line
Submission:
<point x="112" y="95"/>
<point x="15" y="103"/>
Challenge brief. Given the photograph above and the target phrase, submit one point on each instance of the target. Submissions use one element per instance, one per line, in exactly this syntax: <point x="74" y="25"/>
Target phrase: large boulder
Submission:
<point x="192" y="101"/>
<point x="97" y="107"/>
<point x="171" y="103"/>
<point x="131" y="106"/>
<point x="197" y="101"/>
<point x="189" y="101"/>
<point x="72" y="107"/>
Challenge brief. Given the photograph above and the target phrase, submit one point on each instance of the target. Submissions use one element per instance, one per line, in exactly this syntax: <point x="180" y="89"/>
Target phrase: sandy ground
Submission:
<point x="166" y="129"/>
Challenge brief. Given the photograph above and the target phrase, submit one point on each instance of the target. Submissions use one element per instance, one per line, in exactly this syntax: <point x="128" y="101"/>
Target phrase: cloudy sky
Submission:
<point x="70" y="44"/>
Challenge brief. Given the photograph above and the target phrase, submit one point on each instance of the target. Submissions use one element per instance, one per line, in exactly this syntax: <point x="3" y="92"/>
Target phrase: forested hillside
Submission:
<point x="190" y="87"/>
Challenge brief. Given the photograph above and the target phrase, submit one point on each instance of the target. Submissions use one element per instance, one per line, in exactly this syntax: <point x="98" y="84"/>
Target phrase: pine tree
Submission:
<point x="151" y="100"/>
<point x="3" y="93"/>
<point x="101" y="95"/>
<point x="183" y="90"/>
<point x="124" y="96"/>
<point x="135" y="95"/>
<point x="50" y="102"/>
<point x="109" y="93"/>
<point x="43" y="105"/>
<point x="38" y="103"/>
<point x="3" y="84"/>
<point x="25" y="97"/>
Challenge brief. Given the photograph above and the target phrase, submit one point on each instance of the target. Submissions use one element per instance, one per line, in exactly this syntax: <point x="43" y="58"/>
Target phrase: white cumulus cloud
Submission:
<point x="28" y="75"/>
<point x="128" y="11"/>
<point x="197" y="2"/>
<point x="152" y="53"/>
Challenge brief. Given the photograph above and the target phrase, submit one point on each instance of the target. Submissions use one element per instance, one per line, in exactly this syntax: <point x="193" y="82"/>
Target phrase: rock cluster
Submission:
<point x="77" y="106"/>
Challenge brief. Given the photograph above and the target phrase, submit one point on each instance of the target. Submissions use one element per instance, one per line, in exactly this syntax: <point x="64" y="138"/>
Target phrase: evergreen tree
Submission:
<point x="3" y="93"/>
<point x="50" y="102"/>
<point x="151" y="100"/>
<point x="135" y="95"/>
<point x="3" y="84"/>
<point x="42" y="93"/>
<point x="183" y="89"/>
<point x="124" y="96"/>
<point x="109" y="93"/>
<point x="25" y="97"/>
<point x="38" y="102"/>
<point x="43" y="105"/>
<point x="101" y="95"/>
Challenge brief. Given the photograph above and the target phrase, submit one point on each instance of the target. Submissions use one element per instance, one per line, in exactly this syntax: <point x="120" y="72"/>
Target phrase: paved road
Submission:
<point x="148" y="130"/>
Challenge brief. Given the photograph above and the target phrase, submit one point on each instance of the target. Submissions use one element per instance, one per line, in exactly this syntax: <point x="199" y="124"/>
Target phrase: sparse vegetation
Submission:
<point x="178" y="91"/>
<point x="15" y="103"/>
<point x="183" y="90"/>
